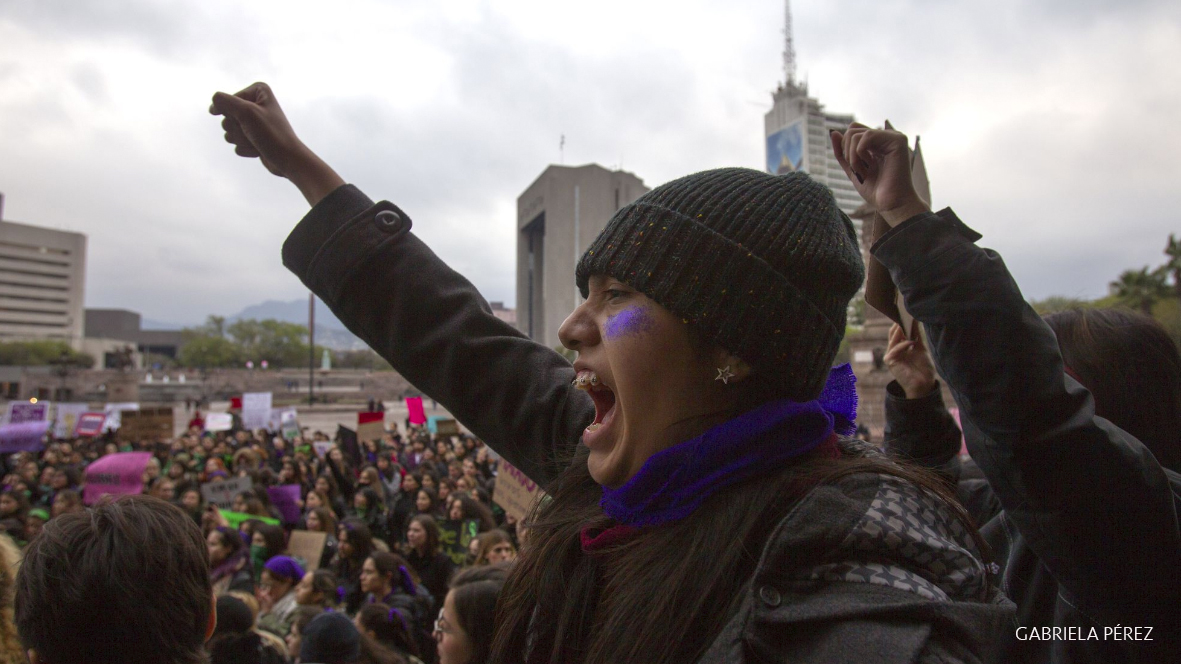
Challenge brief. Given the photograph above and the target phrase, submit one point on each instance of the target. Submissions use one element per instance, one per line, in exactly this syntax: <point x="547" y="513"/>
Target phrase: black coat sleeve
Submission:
<point x="433" y="326"/>
<point x="1091" y="501"/>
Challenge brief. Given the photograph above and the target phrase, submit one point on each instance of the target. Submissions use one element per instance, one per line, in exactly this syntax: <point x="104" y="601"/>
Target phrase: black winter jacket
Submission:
<point x="1088" y="536"/>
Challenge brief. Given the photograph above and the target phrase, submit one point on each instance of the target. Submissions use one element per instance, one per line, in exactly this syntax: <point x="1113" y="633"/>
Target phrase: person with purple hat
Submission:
<point x="277" y="593"/>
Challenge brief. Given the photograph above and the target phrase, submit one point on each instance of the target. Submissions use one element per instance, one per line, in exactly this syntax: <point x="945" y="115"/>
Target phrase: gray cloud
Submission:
<point x="1044" y="125"/>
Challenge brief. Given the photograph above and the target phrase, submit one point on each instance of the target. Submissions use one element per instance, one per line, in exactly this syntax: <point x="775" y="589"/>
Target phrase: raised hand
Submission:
<point x="877" y="162"/>
<point x="910" y="364"/>
<point x="256" y="126"/>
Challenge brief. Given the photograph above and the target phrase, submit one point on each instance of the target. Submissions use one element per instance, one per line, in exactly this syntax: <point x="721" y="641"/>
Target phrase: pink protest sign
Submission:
<point x="417" y="412"/>
<point x="119" y="474"/>
<point x="285" y="498"/>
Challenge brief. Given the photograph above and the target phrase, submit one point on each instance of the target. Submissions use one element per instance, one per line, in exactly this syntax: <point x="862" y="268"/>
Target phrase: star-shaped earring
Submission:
<point x="724" y="375"/>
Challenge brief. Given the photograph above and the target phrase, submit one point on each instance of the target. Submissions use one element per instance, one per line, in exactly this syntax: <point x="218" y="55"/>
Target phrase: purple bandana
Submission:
<point x="673" y="482"/>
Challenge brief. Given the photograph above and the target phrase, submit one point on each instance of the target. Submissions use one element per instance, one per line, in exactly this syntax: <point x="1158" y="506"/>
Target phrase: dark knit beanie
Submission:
<point x="330" y="638"/>
<point x="761" y="265"/>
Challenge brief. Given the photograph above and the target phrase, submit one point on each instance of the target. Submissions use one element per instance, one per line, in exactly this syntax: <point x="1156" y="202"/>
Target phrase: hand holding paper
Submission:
<point x="877" y="162"/>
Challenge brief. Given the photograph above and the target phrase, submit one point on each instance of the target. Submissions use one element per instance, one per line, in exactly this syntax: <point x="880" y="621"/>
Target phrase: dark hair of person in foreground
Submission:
<point x="126" y="582"/>
<point x="1133" y="370"/>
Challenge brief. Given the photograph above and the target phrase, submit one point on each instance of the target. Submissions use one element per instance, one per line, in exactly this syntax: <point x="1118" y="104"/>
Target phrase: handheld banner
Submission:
<point x="416" y="412"/>
<point x="514" y="492"/>
<point x="370" y="426"/>
<point x="286" y="499"/>
<point x="23" y="436"/>
<point x="66" y="418"/>
<point x="219" y="422"/>
<point x="90" y="424"/>
<point x="222" y="493"/>
<point x="307" y="546"/>
<point x="120" y="474"/>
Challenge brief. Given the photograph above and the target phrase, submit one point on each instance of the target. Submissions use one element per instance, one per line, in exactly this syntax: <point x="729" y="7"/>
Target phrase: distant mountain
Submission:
<point x="149" y="324"/>
<point x="330" y="332"/>
<point x="294" y="311"/>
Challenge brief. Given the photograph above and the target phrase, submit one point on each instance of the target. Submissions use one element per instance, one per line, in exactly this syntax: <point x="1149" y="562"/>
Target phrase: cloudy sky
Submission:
<point x="1050" y="126"/>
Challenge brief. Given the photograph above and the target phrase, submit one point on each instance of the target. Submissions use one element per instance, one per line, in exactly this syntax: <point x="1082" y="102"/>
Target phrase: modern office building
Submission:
<point x="558" y="217"/>
<point x="42" y="283"/>
<point x="797" y="129"/>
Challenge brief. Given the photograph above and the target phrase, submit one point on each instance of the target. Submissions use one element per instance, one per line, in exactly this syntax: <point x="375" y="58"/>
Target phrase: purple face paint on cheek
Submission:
<point x="629" y="322"/>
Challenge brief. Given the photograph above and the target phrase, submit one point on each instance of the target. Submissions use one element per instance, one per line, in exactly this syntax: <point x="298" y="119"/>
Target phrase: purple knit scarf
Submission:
<point x="673" y="482"/>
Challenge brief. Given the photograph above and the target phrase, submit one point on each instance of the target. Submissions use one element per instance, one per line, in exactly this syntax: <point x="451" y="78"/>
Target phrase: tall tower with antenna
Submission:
<point x="797" y="128"/>
<point x="789" y="47"/>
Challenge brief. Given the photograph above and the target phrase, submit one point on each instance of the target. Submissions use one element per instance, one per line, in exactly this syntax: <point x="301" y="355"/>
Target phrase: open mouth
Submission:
<point x="602" y="396"/>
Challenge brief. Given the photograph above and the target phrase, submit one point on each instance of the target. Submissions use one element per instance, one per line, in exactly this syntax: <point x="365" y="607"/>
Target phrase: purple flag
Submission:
<point x="23" y="436"/>
<point x="285" y="498"/>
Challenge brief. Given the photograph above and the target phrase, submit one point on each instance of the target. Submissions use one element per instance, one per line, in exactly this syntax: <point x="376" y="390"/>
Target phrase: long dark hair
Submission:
<point x="391" y="627"/>
<point x="474" y="593"/>
<point x="664" y="595"/>
<point x="1133" y="370"/>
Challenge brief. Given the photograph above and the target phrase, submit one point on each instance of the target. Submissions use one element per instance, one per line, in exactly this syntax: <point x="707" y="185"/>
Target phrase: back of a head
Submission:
<point x="1132" y="368"/>
<point x="126" y="582"/>
<point x="330" y="638"/>
<point x="475" y="591"/>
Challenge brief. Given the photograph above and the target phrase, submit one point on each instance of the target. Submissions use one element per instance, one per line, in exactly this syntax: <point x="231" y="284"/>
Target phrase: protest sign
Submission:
<point x="370" y="426"/>
<point x="150" y="424"/>
<point x="417" y="413"/>
<point x="114" y="413"/>
<point x="219" y="422"/>
<point x="514" y="492"/>
<point x="23" y="436"/>
<point x="455" y="537"/>
<point x="286" y="499"/>
<point x="447" y="427"/>
<point x="322" y="447"/>
<point x="347" y="439"/>
<point x="307" y="546"/>
<point x="27" y="411"/>
<point x="256" y="410"/>
<point x="284" y="421"/>
<point x="66" y="418"/>
<point x="119" y="474"/>
<point x="90" y="424"/>
<point x="222" y="493"/>
<point x="235" y="519"/>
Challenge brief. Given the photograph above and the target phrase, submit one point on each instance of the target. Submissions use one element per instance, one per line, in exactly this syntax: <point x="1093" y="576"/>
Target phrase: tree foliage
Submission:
<point x="42" y="353"/>
<point x="216" y="344"/>
<point x="1140" y="289"/>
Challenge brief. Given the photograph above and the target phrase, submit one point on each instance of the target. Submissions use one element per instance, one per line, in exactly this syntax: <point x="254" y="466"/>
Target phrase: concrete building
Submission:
<point x="122" y="327"/>
<point x="42" y="283"/>
<point x="558" y="217"/>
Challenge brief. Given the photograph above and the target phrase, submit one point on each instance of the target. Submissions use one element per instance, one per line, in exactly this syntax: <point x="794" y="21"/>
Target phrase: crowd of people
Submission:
<point x="706" y="499"/>
<point x="380" y="508"/>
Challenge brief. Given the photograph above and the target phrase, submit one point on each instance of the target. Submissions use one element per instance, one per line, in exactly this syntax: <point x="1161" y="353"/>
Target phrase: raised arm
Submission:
<point x="394" y="293"/>
<point x="1088" y="497"/>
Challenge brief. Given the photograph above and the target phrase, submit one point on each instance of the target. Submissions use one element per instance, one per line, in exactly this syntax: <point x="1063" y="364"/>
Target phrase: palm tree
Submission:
<point x="1173" y="251"/>
<point x="1140" y="289"/>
